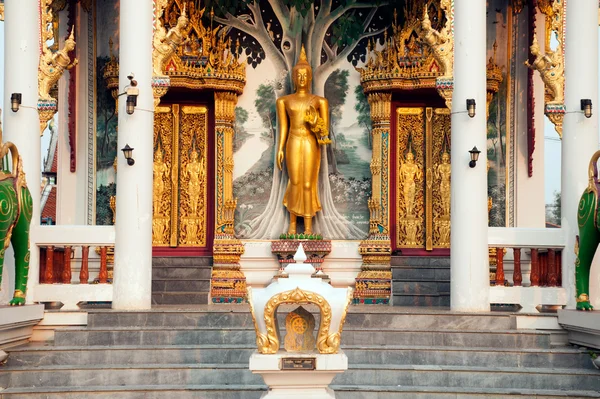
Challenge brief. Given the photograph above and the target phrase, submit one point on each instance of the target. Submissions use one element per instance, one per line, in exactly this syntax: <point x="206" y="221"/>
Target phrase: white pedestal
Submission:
<point x="289" y="384"/>
<point x="583" y="327"/>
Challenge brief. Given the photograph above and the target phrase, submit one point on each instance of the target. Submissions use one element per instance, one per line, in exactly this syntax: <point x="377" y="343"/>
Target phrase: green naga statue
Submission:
<point x="15" y="218"/>
<point x="589" y="235"/>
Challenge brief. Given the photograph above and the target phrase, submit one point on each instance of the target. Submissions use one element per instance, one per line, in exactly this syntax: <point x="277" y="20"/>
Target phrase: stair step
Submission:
<point x="425" y="300"/>
<point x="232" y="391"/>
<point x="418" y="392"/>
<point x="226" y="316"/>
<point x="420" y="287"/>
<point x="180" y="273"/>
<point x="421" y="261"/>
<point x="177" y="285"/>
<point x="473" y="377"/>
<point x="146" y="374"/>
<point x="46" y="355"/>
<point x="180" y="298"/>
<point x="176" y="261"/>
<point x="351" y="336"/>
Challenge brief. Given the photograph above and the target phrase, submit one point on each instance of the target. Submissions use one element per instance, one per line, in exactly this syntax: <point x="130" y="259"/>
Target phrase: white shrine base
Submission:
<point x="259" y="265"/>
<point x="291" y="384"/>
<point x="583" y="327"/>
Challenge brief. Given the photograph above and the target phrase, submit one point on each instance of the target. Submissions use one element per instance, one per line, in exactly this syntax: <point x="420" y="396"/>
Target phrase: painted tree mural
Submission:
<point x="333" y="32"/>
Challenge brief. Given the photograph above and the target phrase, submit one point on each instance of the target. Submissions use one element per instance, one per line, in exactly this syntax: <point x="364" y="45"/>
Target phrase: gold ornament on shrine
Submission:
<point x="53" y="61"/>
<point x="187" y="53"/>
<point x="550" y="63"/>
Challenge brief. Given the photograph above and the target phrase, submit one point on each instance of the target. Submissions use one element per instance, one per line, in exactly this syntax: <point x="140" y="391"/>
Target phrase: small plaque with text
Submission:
<point x="298" y="363"/>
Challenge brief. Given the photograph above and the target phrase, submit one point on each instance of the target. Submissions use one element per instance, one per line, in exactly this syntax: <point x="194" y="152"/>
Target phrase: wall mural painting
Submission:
<point x="107" y="39"/>
<point x="498" y="49"/>
<point x="335" y="36"/>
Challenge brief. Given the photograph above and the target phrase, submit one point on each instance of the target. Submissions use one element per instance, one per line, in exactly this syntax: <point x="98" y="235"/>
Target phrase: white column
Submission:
<point x="469" y="286"/>
<point x="580" y="134"/>
<point x="133" y="245"/>
<point x="21" y="55"/>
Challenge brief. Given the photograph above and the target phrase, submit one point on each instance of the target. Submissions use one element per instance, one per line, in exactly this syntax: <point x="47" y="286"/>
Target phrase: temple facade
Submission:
<point x="163" y="131"/>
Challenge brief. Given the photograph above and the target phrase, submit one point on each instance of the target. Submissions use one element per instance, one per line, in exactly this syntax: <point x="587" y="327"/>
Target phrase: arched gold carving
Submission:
<point x="326" y="342"/>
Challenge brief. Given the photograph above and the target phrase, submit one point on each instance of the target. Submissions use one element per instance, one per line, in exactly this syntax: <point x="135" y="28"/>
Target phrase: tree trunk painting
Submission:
<point x="304" y="23"/>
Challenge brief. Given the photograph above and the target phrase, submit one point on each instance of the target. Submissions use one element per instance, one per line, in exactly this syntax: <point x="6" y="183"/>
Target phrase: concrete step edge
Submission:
<point x="351" y="368"/>
<point x="121" y="388"/>
<point x="347" y="328"/>
<point x="509" y="392"/>
<point x="472" y="369"/>
<point x="386" y="348"/>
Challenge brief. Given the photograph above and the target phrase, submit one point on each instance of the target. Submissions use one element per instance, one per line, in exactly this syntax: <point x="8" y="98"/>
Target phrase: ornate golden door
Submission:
<point x="181" y="189"/>
<point x="422" y="181"/>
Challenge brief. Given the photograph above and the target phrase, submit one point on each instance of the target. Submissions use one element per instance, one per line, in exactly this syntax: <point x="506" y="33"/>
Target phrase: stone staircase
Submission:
<point x="420" y="281"/>
<point x="204" y="353"/>
<point x="181" y="280"/>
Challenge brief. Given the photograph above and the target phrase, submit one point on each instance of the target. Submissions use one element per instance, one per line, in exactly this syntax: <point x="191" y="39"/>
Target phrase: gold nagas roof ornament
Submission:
<point x="405" y="61"/>
<point x="206" y="58"/>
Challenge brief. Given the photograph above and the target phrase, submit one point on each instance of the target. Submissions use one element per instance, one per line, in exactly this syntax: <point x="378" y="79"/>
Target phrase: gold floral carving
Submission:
<point x="193" y="192"/>
<point x="200" y="57"/>
<point x="227" y="249"/>
<point x="327" y="342"/>
<point x="180" y="189"/>
<point x="493" y="79"/>
<point x="416" y="54"/>
<point x="410" y="144"/>
<point x="442" y="170"/>
<point x="164" y="131"/>
<point x="550" y="65"/>
<point x="423" y="186"/>
<point x="440" y="41"/>
<point x="53" y="62"/>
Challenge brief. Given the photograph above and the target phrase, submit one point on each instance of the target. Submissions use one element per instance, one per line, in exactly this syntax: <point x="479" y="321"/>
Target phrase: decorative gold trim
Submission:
<point x="583" y="298"/>
<point x="19" y="294"/>
<point x="428" y="179"/>
<point x="326" y="343"/>
<point x="173" y="240"/>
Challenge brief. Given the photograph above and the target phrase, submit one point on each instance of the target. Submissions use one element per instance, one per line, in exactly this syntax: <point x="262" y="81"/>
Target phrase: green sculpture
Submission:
<point x="589" y="235"/>
<point x="15" y="217"/>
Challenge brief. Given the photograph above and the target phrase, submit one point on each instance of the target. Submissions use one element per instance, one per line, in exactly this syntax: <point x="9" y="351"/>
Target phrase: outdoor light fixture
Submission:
<point x="15" y="101"/>
<point x="471" y="107"/>
<point x="127" y="150"/>
<point x="586" y="107"/>
<point x="131" y="103"/>
<point x="474" y="155"/>
<point x="132" y="93"/>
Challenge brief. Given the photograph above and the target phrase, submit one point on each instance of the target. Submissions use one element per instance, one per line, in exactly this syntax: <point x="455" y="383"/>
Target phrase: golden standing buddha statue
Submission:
<point x="303" y="128"/>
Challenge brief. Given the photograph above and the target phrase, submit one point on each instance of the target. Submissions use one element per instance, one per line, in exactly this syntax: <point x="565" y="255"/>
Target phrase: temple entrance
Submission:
<point x="183" y="187"/>
<point x="421" y="185"/>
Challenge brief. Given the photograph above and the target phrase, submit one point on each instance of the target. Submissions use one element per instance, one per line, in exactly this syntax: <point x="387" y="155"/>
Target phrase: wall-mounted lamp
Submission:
<point x="474" y="157"/>
<point x="127" y="150"/>
<point x="131" y="103"/>
<point x="132" y="93"/>
<point x="586" y="107"/>
<point x="471" y="107"/>
<point x="15" y="101"/>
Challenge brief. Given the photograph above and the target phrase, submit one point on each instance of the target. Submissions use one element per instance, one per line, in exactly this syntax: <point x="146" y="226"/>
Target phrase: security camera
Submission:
<point x="131" y="76"/>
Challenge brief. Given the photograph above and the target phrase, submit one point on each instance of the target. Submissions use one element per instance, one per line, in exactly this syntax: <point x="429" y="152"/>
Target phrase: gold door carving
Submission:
<point x="180" y="173"/>
<point x="423" y="178"/>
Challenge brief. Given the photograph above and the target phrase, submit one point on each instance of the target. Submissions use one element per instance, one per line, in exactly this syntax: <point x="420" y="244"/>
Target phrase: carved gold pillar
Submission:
<point x="228" y="283"/>
<point x="373" y="284"/>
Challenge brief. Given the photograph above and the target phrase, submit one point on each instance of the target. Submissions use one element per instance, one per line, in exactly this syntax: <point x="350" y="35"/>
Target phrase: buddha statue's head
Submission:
<point x="410" y="157"/>
<point x="302" y="73"/>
